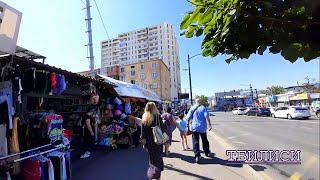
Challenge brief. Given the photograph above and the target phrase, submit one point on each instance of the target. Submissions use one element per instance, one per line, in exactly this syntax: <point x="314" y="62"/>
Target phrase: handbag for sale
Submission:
<point x="159" y="136"/>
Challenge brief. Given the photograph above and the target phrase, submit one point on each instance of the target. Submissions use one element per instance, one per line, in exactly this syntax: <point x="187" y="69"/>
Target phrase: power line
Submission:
<point x="104" y="26"/>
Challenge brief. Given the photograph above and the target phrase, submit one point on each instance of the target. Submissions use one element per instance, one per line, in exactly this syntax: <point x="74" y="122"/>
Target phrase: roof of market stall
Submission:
<point x="24" y="63"/>
<point x="125" y="89"/>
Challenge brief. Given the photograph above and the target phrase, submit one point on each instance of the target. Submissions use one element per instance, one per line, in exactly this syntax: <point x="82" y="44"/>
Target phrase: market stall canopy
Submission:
<point x="25" y="62"/>
<point x="125" y="89"/>
<point x="25" y="53"/>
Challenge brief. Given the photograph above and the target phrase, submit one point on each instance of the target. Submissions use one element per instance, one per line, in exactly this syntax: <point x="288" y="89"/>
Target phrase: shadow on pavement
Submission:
<point x="258" y="168"/>
<point x="212" y="160"/>
<point x="169" y="167"/>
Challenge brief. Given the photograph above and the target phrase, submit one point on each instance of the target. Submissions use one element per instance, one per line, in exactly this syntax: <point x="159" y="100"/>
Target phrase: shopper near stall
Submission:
<point x="170" y="125"/>
<point x="88" y="124"/>
<point x="154" y="150"/>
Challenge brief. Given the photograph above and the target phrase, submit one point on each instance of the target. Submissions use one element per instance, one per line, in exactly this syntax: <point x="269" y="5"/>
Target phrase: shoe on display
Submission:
<point x="88" y="152"/>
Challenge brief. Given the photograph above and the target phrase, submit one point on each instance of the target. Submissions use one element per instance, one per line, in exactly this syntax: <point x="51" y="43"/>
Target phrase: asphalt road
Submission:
<point x="257" y="133"/>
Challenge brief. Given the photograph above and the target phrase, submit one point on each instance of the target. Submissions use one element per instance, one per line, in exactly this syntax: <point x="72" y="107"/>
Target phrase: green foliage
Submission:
<point x="204" y="100"/>
<point x="239" y="28"/>
<point x="274" y="90"/>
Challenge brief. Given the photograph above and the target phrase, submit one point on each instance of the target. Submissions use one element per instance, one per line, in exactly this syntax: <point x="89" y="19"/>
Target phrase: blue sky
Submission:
<point x="56" y="29"/>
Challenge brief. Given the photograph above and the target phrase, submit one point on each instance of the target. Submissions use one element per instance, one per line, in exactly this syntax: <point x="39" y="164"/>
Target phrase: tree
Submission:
<point x="240" y="28"/>
<point x="204" y="100"/>
<point x="309" y="85"/>
<point x="274" y="90"/>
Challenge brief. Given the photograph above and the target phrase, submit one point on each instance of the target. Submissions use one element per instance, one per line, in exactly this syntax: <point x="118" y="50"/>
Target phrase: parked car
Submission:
<point x="252" y="111"/>
<point x="318" y="113"/>
<point x="272" y="109"/>
<point x="264" y="112"/>
<point x="292" y="112"/>
<point x="239" y="111"/>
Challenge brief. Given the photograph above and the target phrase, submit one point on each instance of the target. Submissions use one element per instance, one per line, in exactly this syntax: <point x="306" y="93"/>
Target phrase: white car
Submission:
<point x="272" y="109"/>
<point x="291" y="112"/>
<point x="239" y="111"/>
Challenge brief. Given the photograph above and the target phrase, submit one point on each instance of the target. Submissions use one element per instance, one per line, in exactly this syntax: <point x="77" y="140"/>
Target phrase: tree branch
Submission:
<point x="286" y="21"/>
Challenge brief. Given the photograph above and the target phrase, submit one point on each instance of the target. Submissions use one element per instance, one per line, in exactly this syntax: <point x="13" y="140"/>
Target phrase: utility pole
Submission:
<point x="251" y="93"/>
<point x="190" y="79"/>
<point x="90" y="45"/>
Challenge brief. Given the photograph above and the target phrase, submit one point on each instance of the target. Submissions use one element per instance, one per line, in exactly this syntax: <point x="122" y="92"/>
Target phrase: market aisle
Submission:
<point x="116" y="165"/>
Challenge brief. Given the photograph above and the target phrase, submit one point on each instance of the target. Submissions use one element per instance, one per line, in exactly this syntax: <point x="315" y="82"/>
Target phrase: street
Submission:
<point x="266" y="133"/>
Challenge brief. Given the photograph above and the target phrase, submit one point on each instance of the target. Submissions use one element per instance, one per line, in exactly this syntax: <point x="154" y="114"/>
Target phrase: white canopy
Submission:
<point x="125" y="89"/>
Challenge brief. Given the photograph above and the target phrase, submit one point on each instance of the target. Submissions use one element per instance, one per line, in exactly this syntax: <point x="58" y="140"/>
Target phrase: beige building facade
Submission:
<point x="153" y="75"/>
<point x="146" y="44"/>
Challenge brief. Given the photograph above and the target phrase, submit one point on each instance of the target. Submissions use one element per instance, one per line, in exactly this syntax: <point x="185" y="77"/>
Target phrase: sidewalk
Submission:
<point x="181" y="164"/>
<point x="133" y="163"/>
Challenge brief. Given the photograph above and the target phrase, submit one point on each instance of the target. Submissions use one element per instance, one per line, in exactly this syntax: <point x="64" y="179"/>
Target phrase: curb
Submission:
<point x="246" y="167"/>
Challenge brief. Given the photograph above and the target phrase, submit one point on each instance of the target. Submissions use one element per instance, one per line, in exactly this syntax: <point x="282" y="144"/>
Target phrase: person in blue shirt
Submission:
<point x="198" y="116"/>
<point x="183" y="128"/>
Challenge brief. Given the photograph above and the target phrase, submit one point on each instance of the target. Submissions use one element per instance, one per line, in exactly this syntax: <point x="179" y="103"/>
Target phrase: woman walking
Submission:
<point x="170" y="125"/>
<point x="149" y="120"/>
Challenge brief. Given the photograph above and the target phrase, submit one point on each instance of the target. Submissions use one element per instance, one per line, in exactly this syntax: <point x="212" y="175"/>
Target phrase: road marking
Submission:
<point x="311" y="161"/>
<point x="239" y="142"/>
<point x="244" y="134"/>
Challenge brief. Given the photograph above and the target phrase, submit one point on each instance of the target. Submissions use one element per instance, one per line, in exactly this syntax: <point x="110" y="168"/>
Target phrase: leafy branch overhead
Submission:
<point x="239" y="28"/>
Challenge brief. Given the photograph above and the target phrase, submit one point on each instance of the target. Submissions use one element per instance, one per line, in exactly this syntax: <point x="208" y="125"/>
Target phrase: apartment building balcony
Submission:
<point x="142" y="47"/>
<point x="142" y="31"/>
<point x="142" y="37"/>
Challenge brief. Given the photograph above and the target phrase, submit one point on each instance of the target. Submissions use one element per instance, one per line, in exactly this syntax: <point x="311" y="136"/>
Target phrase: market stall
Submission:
<point x="40" y="105"/>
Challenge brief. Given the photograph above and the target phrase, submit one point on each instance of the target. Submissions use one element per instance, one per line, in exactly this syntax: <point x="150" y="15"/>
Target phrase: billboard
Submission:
<point x="10" y="20"/>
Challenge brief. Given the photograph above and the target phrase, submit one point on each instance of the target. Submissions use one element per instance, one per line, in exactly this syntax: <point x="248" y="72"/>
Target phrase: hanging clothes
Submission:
<point x="3" y="140"/>
<point x="14" y="144"/>
<point x="31" y="170"/>
<point x="50" y="171"/>
<point x="41" y="82"/>
<point x="61" y="84"/>
<point x="54" y="124"/>
<point x="53" y="80"/>
<point x="29" y="80"/>
<point x="6" y="98"/>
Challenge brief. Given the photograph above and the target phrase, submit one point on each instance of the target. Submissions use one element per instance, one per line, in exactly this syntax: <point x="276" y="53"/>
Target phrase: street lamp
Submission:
<point x="190" y="84"/>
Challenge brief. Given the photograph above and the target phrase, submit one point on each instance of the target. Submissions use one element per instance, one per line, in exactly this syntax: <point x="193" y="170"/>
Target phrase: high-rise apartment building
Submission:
<point x="147" y="44"/>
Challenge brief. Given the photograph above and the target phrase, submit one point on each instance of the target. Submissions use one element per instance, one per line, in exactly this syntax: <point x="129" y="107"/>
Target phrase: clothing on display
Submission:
<point x="53" y="80"/>
<point x="54" y="167"/>
<point x="6" y="103"/>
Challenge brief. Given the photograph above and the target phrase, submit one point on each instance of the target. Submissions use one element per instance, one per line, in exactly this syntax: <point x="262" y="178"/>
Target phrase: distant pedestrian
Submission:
<point x="170" y="125"/>
<point x="155" y="151"/>
<point x="199" y="118"/>
<point x="183" y="128"/>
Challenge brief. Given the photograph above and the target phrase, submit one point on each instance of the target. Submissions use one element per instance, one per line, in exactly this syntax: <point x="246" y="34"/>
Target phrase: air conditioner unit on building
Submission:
<point x="10" y="19"/>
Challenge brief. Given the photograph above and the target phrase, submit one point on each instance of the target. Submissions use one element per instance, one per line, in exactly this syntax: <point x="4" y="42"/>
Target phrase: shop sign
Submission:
<point x="283" y="98"/>
<point x="315" y="96"/>
<point x="301" y="96"/>
<point x="10" y="20"/>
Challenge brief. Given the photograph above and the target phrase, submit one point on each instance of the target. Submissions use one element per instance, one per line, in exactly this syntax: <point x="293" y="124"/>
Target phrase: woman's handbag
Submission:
<point x="159" y="136"/>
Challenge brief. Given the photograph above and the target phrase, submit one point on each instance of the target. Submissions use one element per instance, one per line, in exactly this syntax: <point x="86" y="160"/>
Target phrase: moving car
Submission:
<point x="239" y="111"/>
<point x="291" y="112"/>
